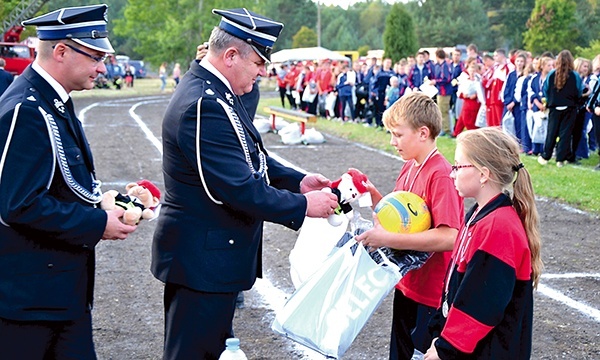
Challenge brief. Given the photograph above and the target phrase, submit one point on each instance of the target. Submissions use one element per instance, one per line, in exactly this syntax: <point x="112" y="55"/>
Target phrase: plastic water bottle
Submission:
<point x="232" y="350"/>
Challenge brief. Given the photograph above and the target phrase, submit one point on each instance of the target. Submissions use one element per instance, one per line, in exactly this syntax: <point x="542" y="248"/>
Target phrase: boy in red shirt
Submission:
<point x="414" y="122"/>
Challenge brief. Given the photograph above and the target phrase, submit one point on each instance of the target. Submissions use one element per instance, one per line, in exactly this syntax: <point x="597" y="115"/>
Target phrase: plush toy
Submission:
<point x="141" y="201"/>
<point x="349" y="188"/>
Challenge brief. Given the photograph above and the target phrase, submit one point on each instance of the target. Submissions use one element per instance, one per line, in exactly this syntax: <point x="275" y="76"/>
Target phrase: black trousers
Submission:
<point x="560" y="124"/>
<point x="282" y="91"/>
<point x="410" y="327"/>
<point x="596" y="131"/>
<point x="196" y="323"/>
<point x="577" y="133"/>
<point x="47" y="340"/>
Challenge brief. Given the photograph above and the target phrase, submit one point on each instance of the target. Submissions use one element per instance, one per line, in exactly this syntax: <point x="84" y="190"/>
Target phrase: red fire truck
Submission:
<point x="17" y="55"/>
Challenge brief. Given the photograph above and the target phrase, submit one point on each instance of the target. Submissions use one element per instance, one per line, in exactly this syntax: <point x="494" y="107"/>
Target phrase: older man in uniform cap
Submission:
<point x="49" y="218"/>
<point x="221" y="185"/>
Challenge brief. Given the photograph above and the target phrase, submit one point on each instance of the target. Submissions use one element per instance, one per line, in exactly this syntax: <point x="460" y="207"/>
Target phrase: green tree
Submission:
<point x="587" y="14"/>
<point x="305" y="37"/>
<point x="441" y="23"/>
<point x="512" y="21"/>
<point x="373" y="17"/>
<point x="363" y="50"/>
<point x="588" y="52"/>
<point x="399" y="38"/>
<point x="170" y="30"/>
<point x="292" y="13"/>
<point x="551" y="27"/>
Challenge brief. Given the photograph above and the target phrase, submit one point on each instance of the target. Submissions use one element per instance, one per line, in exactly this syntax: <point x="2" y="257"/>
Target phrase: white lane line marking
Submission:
<point x="571" y="276"/>
<point x="153" y="139"/>
<point x="562" y="298"/>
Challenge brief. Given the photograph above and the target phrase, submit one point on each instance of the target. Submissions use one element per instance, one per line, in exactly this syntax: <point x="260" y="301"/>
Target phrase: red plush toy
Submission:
<point x="350" y="187"/>
<point x="140" y="202"/>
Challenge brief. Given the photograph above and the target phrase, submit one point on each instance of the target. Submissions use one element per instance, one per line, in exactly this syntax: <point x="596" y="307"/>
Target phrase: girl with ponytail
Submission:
<point x="487" y="303"/>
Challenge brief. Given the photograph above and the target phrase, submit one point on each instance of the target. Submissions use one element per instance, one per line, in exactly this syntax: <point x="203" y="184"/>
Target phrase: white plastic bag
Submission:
<point x="316" y="241"/>
<point x="291" y="134"/>
<point x="540" y="127"/>
<point x="508" y="124"/>
<point x="262" y="125"/>
<point x="481" y="120"/>
<point x="312" y="136"/>
<point x="429" y="90"/>
<point x="328" y="311"/>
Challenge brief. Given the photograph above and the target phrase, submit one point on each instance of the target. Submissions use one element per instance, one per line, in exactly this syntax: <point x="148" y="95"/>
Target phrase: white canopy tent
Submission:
<point x="310" y="53"/>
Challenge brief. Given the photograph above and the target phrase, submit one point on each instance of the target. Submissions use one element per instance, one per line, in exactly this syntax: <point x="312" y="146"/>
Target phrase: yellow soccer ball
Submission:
<point x="403" y="212"/>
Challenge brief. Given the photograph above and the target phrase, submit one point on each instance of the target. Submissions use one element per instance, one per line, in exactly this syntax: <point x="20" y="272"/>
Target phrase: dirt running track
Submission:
<point x="125" y="138"/>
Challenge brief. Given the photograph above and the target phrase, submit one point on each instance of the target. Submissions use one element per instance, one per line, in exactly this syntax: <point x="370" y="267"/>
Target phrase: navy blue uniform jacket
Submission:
<point x="47" y="230"/>
<point x="209" y="233"/>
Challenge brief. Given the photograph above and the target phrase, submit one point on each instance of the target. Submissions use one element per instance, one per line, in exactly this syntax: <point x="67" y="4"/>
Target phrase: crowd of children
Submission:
<point x="472" y="91"/>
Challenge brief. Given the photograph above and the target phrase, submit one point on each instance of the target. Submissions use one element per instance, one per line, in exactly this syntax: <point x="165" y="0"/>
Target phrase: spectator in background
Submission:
<point x="344" y="87"/>
<point x="162" y="74"/>
<point x="418" y="72"/>
<point x="593" y="106"/>
<point x="538" y="99"/>
<point x="510" y="96"/>
<point x="358" y="93"/>
<point x="176" y="74"/>
<point x="562" y="88"/>
<point x="306" y="87"/>
<point x="371" y="68"/>
<point x="428" y="62"/>
<point x="129" y="75"/>
<point x="410" y="61"/>
<point x="325" y="83"/>
<point x="283" y="69"/>
<point x="382" y="82"/>
<point x="6" y="78"/>
<point x="493" y="86"/>
<point x="473" y="52"/>
<point x="522" y="97"/>
<point x="392" y="94"/>
<point x="402" y="75"/>
<point x="455" y="102"/>
<point x="580" y="147"/>
<point x="442" y="79"/>
<point x="290" y="83"/>
<point x="373" y="94"/>
<point x="470" y="91"/>
<point x="595" y="132"/>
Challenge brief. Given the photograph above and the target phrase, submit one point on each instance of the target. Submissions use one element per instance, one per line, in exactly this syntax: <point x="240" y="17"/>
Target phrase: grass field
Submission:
<point x="574" y="185"/>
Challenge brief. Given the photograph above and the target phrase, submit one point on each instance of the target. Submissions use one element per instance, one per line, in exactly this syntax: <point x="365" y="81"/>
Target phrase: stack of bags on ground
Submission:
<point x="290" y="133"/>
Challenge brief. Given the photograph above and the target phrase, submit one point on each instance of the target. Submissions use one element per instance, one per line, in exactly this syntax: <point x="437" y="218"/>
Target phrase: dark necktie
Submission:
<point x="79" y="135"/>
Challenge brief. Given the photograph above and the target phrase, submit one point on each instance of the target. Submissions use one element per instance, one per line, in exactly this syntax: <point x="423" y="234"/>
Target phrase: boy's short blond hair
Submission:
<point x="416" y="110"/>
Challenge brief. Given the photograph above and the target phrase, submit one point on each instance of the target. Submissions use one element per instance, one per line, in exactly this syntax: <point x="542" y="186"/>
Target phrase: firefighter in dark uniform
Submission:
<point x="221" y="185"/>
<point x="49" y="219"/>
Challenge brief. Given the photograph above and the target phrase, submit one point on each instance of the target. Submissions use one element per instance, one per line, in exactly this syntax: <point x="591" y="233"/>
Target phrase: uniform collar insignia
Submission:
<point x="209" y="92"/>
<point x="59" y="106"/>
<point x="229" y="98"/>
<point x="31" y="98"/>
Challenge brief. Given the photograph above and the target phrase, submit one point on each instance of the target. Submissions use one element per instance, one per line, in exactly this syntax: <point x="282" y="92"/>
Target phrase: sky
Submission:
<point x="345" y="3"/>
<point x="342" y="3"/>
